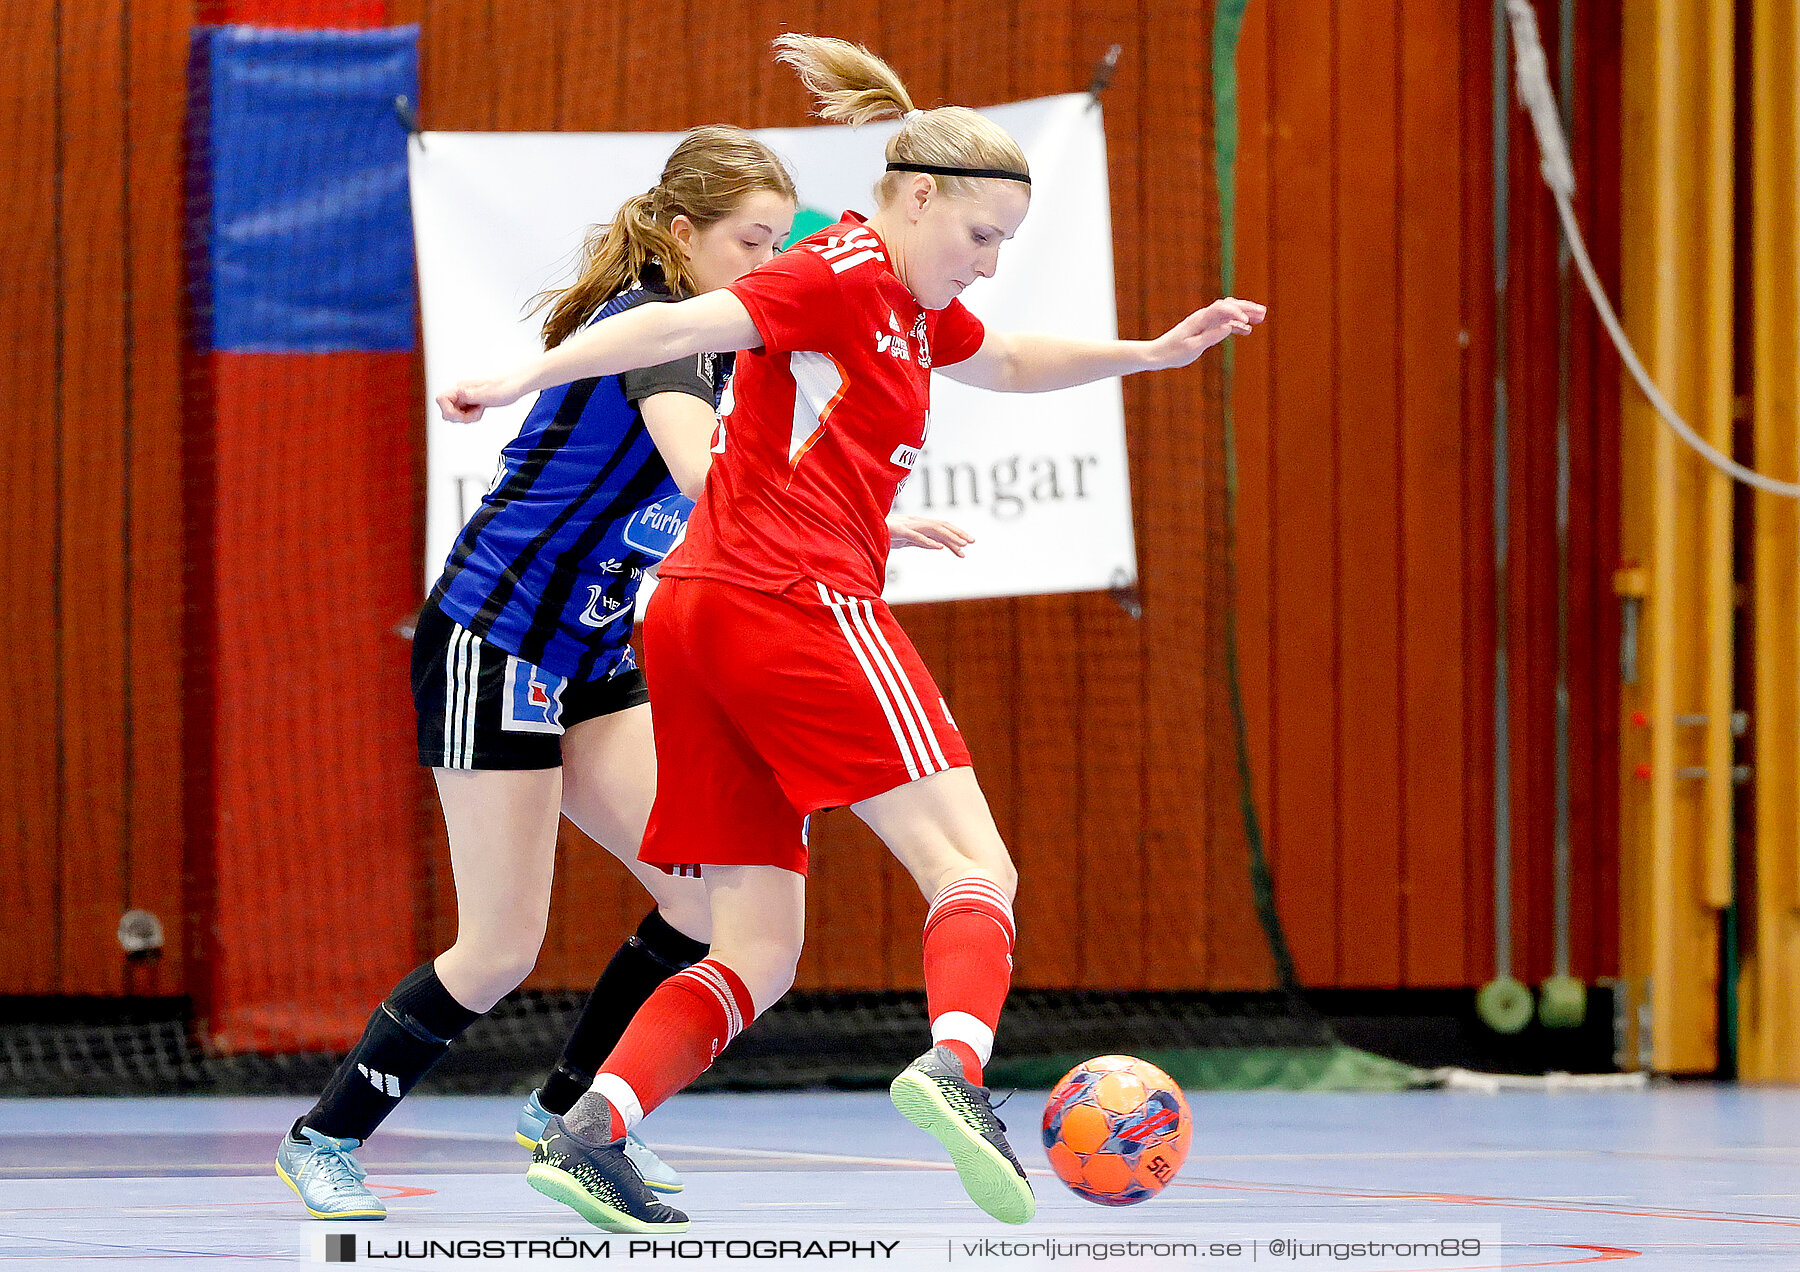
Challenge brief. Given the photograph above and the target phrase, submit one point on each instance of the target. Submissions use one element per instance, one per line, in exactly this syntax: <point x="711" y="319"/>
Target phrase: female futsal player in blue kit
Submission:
<point x="530" y="703"/>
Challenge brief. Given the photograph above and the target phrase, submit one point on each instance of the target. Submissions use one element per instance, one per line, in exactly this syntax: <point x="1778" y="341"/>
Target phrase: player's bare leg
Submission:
<point x="941" y="830"/>
<point x="502" y="827"/>
<point x="609" y="784"/>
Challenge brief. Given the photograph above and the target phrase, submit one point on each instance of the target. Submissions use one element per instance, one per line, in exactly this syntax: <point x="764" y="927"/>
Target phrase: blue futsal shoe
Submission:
<point x="598" y="1182"/>
<point x="657" y="1174"/>
<point x="328" y="1179"/>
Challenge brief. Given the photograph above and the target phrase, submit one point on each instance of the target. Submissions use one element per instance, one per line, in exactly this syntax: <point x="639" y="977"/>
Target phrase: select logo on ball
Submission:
<point x="1116" y="1130"/>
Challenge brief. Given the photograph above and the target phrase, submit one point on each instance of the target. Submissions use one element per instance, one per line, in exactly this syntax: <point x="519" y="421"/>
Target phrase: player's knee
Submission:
<point x="490" y="972"/>
<point x="766" y="966"/>
<point x="1002" y="871"/>
<point x="686" y="910"/>
<point x="996" y="867"/>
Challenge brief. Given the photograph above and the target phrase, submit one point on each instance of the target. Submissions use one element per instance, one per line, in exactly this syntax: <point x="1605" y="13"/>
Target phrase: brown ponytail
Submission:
<point x="707" y="177"/>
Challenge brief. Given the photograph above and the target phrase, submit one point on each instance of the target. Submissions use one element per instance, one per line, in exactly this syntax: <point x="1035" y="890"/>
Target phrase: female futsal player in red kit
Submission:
<point x="780" y="683"/>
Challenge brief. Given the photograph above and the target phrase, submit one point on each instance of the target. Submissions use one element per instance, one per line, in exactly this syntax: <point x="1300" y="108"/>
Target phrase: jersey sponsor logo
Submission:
<point x="921" y="339"/>
<point x="533" y="699"/>
<point x="893" y="341"/>
<point x="655" y="529"/>
<point x="601" y="608"/>
<point x="904" y="456"/>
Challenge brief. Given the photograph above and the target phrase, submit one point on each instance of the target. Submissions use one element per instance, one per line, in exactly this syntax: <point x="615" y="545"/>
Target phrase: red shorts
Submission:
<point x="770" y="707"/>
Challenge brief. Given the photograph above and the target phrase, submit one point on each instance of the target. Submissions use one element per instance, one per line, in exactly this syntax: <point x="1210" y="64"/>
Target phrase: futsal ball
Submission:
<point x="1116" y="1130"/>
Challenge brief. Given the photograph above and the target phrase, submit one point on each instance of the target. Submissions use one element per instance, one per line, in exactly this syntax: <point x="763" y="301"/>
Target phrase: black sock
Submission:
<point x="642" y="963"/>
<point x="405" y="1036"/>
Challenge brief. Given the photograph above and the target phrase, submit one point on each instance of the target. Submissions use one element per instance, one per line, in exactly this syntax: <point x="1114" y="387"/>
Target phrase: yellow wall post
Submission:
<point x="1675" y="805"/>
<point x="1770" y="984"/>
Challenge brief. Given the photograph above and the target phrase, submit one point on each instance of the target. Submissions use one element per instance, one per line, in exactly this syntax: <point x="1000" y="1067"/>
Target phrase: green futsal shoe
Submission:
<point x="598" y="1182"/>
<point x="933" y="1095"/>
<point x="329" y="1180"/>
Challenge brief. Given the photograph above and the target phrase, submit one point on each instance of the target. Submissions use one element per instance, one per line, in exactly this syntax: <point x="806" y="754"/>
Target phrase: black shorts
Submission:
<point x="482" y="708"/>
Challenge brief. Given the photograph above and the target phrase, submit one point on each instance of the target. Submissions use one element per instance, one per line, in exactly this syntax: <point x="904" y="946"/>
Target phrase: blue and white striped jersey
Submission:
<point x="548" y="568"/>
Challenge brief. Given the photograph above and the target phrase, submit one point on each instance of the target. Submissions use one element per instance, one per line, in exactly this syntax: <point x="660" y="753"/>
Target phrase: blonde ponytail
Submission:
<point x="855" y="87"/>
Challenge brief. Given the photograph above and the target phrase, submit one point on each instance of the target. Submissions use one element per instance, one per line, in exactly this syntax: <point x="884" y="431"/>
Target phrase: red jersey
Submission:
<point x="827" y="420"/>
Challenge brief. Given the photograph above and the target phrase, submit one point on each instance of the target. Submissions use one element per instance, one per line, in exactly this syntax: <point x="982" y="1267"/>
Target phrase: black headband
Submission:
<point x="936" y="170"/>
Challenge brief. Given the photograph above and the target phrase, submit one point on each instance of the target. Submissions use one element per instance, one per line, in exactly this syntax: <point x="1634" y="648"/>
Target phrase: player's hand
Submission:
<point x="467" y="401"/>
<point x="1203" y="329"/>
<point x="926" y="532"/>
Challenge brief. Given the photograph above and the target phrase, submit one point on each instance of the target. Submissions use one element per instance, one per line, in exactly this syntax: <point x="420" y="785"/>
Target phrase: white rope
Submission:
<point x="1537" y="98"/>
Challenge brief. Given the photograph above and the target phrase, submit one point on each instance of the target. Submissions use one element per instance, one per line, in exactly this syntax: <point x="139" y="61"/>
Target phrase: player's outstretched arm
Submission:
<point x="1025" y="362"/>
<point x="716" y="322"/>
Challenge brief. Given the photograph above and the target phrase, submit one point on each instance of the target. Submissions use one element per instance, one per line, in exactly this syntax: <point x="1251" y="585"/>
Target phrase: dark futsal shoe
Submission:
<point x="598" y="1182"/>
<point x="933" y="1095"/>
<point x="658" y="1175"/>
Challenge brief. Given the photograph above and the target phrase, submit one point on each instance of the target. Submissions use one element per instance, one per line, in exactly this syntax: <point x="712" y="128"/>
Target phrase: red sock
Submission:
<point x="968" y="968"/>
<point x="675" y="1035"/>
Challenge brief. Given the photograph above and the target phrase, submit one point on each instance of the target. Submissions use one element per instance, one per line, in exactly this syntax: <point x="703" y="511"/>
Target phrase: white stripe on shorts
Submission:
<point x="905" y="684"/>
<point x="462" y="687"/>
<point x="895" y="677"/>
<point x="875" y="683"/>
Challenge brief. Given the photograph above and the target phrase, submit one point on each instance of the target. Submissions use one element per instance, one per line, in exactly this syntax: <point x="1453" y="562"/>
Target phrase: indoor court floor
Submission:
<point x="1673" y="1177"/>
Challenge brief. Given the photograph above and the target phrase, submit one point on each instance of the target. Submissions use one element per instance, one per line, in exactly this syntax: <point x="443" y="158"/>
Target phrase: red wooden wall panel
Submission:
<point x="1365" y="576"/>
<point x="1369" y="615"/>
<point x="1253" y="392"/>
<point x="31" y="715"/>
<point x="1179" y="505"/>
<point x="1445" y="284"/>
<point x="1302" y="330"/>
<point x="155" y="513"/>
<point x="93" y="658"/>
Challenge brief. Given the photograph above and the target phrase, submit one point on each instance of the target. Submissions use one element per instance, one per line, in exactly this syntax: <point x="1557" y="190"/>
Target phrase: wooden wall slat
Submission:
<point x="459" y="44"/>
<point x="1253" y="391"/>
<point x="1109" y="774"/>
<point x="92" y="463"/>
<point x="1306" y="810"/>
<point x="1595" y="498"/>
<point x="591" y="86"/>
<point x="1370" y="617"/>
<point x="1179" y="506"/>
<point x="1531" y="317"/>
<point x="30" y="689"/>
<point x="1443" y="502"/>
<point x="1046" y="724"/>
<point x="528" y="81"/>
<point x="156" y="557"/>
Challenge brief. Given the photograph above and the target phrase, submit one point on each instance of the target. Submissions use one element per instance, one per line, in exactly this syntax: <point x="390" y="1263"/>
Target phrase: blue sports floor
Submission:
<point x="1668" y="1178"/>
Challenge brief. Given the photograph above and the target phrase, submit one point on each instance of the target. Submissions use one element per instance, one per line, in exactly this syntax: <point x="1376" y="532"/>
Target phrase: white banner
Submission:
<point x="1040" y="480"/>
